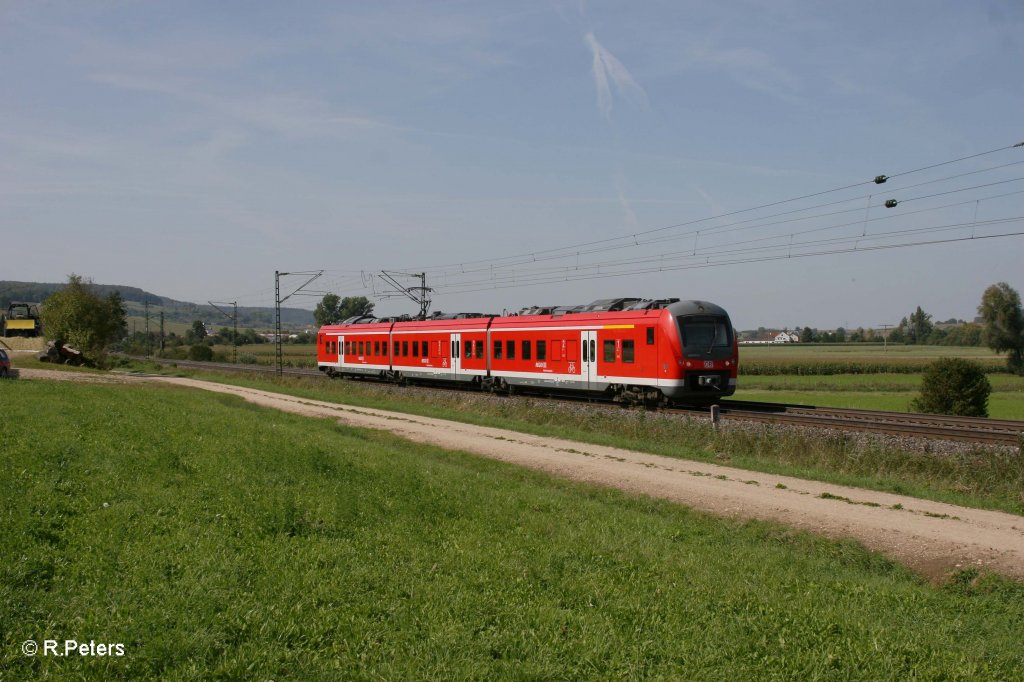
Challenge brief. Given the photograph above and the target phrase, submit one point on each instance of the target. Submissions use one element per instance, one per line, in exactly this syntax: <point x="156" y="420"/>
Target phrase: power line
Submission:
<point x="881" y="179"/>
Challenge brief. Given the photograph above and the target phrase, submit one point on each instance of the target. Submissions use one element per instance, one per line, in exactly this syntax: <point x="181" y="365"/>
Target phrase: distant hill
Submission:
<point x="174" y="311"/>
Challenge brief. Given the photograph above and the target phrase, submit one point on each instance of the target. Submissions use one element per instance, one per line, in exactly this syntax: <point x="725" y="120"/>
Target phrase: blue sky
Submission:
<point x="193" y="148"/>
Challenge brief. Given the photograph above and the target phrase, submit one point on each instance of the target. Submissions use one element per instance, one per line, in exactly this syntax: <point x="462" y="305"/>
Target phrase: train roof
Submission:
<point x="601" y="308"/>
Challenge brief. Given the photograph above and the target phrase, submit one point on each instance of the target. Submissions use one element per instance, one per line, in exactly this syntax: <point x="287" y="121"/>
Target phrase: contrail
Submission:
<point x="606" y="67"/>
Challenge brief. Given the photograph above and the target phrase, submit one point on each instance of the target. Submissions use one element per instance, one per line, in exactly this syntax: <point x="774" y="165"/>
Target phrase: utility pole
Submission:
<point x="885" y="336"/>
<point x="161" y="332"/>
<point x="149" y="347"/>
<point x="234" y="318"/>
<point x="419" y="295"/>
<point x="277" y="306"/>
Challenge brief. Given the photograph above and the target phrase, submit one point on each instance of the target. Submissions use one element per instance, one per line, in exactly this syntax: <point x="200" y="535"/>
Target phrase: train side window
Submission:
<point x="376" y="347"/>
<point x="510" y="350"/>
<point x="415" y="349"/>
<point x="497" y="350"/>
<point x="405" y="349"/>
<point x="467" y="349"/>
<point x="628" y="352"/>
<point x="395" y="350"/>
<point x="479" y="350"/>
<point x="542" y="350"/>
<point x="650" y="336"/>
<point x="609" y="351"/>
<point x="361" y="348"/>
<point x="586" y="354"/>
<point x="527" y="354"/>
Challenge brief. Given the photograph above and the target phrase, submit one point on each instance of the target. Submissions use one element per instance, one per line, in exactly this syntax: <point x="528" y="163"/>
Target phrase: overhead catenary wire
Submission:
<point x="528" y="268"/>
<point x="630" y="236"/>
<point x="883" y="218"/>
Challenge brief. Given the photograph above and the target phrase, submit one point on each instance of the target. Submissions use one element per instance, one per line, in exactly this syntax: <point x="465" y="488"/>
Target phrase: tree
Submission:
<point x="78" y="316"/>
<point x="954" y="386"/>
<point x="197" y="333"/>
<point x="919" y="326"/>
<point x="333" y="309"/>
<point x="326" y="311"/>
<point x="1004" y="323"/>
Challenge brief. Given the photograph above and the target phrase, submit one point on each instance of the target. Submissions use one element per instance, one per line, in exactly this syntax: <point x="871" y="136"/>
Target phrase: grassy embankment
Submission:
<point x="831" y="375"/>
<point x="979" y="478"/>
<point x="216" y="539"/>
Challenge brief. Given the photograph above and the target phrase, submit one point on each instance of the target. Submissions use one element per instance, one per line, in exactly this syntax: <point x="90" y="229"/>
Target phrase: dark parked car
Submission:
<point x="5" y="364"/>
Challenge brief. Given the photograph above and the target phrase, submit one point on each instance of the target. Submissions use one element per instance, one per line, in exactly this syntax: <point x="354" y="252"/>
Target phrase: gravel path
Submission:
<point x="933" y="538"/>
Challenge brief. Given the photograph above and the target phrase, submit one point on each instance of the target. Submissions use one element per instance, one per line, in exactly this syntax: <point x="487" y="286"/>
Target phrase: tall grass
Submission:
<point x="221" y="541"/>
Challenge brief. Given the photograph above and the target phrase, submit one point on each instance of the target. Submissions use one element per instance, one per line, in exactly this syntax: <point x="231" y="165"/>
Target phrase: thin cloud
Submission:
<point x="752" y="69"/>
<point x="607" y="68"/>
<point x="628" y="215"/>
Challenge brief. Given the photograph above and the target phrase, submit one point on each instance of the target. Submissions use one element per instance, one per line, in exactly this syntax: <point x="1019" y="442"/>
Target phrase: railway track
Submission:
<point x="973" y="429"/>
<point x="970" y="429"/>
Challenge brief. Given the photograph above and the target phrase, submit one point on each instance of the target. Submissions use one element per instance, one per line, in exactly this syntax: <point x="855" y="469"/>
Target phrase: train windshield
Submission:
<point x="702" y="335"/>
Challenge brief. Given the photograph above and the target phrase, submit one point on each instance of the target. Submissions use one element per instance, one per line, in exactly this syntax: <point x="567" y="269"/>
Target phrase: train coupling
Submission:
<point x="709" y="380"/>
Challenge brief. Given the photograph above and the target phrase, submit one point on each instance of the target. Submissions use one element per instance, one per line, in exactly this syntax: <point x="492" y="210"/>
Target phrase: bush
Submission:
<point x="954" y="386"/>
<point x="200" y="352"/>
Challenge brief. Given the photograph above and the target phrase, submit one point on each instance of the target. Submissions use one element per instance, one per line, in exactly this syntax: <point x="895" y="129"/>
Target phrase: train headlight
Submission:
<point x="728" y="363"/>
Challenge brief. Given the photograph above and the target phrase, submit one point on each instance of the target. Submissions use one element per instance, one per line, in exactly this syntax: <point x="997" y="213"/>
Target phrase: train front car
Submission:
<point x="706" y="352"/>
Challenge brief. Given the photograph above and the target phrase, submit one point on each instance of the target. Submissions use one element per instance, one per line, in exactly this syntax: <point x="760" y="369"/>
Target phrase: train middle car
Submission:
<point x="683" y="351"/>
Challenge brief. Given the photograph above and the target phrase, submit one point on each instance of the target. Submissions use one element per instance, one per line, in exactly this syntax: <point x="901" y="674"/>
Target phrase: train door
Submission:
<point x="455" y="364"/>
<point x="340" y="341"/>
<point x="589" y="367"/>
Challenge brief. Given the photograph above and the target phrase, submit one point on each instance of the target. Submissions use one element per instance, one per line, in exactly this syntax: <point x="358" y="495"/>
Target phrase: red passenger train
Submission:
<point x="631" y="350"/>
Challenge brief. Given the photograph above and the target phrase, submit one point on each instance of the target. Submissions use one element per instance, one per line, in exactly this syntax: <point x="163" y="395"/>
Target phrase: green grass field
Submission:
<point x="217" y="540"/>
<point x="871" y="391"/>
<point x="870" y="377"/>
<point x="979" y="478"/>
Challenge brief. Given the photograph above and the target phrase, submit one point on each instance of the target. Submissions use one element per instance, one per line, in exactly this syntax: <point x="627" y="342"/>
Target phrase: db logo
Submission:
<point x="708" y="364"/>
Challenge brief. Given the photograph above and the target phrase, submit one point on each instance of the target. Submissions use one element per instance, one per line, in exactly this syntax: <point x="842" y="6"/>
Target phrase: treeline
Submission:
<point x="915" y="329"/>
<point x="135" y="301"/>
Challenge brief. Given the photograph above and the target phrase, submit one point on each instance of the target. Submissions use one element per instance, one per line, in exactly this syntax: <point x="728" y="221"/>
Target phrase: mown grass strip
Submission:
<point x="219" y="540"/>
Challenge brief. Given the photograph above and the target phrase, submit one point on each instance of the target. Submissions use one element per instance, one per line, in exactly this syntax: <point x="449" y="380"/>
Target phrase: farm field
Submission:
<point x="855" y="358"/>
<point x="871" y="391"/>
<point x="868" y="377"/>
<point x="293" y="354"/>
<point x="216" y="539"/>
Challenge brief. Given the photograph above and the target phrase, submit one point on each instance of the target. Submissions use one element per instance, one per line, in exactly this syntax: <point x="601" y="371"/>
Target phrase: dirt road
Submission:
<point x="931" y="537"/>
